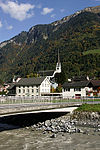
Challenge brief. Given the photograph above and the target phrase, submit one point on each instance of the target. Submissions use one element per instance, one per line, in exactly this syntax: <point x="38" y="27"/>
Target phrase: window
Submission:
<point x="23" y="90"/>
<point x="77" y="89"/>
<point x="36" y="90"/>
<point x="67" y="89"/>
<point x="27" y="90"/>
<point x="32" y="90"/>
<point x="19" y="91"/>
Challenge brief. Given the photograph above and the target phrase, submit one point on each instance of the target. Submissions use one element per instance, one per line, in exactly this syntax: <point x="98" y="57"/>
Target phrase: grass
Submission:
<point x="95" y="51"/>
<point x="89" y="108"/>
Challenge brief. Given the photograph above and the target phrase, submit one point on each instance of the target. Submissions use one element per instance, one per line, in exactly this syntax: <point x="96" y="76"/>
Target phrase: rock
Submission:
<point x="79" y="131"/>
<point x="54" y="131"/>
<point x="44" y="132"/>
<point x="53" y="136"/>
<point x="27" y="127"/>
<point x="48" y="129"/>
<point x="47" y="123"/>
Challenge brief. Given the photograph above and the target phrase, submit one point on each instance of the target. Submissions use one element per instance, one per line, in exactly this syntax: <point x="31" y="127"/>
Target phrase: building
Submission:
<point x="75" y="89"/>
<point x="36" y="86"/>
<point x="81" y="87"/>
<point x="50" y="74"/>
<point x="30" y="87"/>
<point x="95" y="87"/>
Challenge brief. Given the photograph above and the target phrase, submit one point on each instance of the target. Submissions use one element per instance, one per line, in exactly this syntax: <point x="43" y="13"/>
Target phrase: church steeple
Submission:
<point x="58" y="65"/>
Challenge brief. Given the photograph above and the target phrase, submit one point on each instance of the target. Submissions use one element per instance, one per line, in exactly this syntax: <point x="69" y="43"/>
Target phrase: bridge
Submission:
<point x="16" y="109"/>
<point x="11" y="106"/>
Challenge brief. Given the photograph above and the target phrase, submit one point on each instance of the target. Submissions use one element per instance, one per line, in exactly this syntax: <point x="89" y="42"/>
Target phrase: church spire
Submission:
<point x="58" y="66"/>
<point x="58" y="57"/>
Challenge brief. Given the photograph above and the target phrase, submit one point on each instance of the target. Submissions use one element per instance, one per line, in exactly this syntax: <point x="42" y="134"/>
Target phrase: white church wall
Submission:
<point x="45" y="86"/>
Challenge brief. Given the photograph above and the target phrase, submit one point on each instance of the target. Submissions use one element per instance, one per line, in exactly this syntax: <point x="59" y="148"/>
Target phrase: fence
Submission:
<point x="47" y="99"/>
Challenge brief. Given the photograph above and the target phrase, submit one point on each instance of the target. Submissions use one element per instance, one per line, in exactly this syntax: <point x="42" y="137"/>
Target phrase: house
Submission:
<point x="3" y="88"/>
<point x="30" y="87"/>
<point x="75" y="89"/>
<point x="81" y="88"/>
<point x="96" y="87"/>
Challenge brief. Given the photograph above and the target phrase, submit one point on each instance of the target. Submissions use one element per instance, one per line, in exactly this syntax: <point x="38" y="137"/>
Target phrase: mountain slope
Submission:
<point x="37" y="49"/>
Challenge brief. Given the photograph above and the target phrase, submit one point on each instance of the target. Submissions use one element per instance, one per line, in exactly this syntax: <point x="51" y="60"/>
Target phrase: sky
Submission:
<point x="20" y="15"/>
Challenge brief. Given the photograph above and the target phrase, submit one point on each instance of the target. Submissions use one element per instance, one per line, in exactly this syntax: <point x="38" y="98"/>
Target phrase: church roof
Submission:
<point x="46" y="73"/>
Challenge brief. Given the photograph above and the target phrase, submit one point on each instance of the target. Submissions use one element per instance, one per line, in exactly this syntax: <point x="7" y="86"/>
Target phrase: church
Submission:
<point x="50" y="74"/>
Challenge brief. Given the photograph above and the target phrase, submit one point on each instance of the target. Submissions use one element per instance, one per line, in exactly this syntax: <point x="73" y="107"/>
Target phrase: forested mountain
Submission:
<point x="77" y="37"/>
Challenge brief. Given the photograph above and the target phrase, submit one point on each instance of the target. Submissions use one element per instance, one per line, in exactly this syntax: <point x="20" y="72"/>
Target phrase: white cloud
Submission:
<point x="46" y="11"/>
<point x="1" y="24"/>
<point x="17" y="11"/>
<point x="10" y="27"/>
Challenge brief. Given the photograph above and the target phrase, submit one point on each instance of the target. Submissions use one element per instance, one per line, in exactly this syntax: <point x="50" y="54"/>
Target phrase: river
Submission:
<point x="26" y="138"/>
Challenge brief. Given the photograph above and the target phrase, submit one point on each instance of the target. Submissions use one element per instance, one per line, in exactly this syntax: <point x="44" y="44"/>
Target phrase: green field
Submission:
<point x="89" y="108"/>
<point x="95" y="51"/>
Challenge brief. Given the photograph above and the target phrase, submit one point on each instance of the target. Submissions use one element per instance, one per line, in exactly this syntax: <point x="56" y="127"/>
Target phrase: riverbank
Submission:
<point x="55" y="132"/>
<point x="71" y="123"/>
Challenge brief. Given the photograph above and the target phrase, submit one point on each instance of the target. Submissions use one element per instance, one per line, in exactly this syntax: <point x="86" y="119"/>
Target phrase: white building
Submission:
<point x="50" y="74"/>
<point x="76" y="89"/>
<point x="30" y="87"/>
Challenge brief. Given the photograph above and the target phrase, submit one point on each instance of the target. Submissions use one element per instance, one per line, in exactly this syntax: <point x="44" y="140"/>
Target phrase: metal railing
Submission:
<point x="47" y="99"/>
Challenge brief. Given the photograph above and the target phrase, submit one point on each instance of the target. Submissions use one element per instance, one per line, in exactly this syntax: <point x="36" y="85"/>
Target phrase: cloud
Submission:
<point x="1" y="24"/>
<point x="46" y="11"/>
<point x="9" y="27"/>
<point x="17" y="11"/>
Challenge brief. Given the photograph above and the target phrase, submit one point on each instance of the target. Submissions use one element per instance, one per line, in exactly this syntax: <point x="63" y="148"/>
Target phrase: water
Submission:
<point x="27" y="139"/>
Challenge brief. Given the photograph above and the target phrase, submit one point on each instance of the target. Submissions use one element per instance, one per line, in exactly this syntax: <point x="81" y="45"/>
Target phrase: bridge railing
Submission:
<point x="47" y="99"/>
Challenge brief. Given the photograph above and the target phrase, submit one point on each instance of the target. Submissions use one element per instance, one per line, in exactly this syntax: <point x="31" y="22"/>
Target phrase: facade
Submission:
<point x="75" y="89"/>
<point x="30" y="87"/>
<point x="85" y="88"/>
